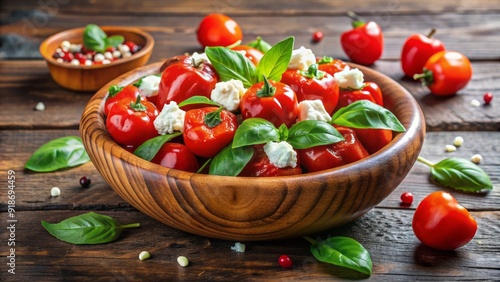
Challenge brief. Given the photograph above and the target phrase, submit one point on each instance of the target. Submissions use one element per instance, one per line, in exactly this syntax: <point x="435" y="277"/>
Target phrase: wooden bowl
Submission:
<point x="92" y="78"/>
<point x="249" y="209"/>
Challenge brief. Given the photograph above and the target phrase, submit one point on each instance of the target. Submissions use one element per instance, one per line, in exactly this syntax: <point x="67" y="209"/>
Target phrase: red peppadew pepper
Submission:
<point x="251" y="53"/>
<point x="131" y="123"/>
<point x="331" y="65"/>
<point x="313" y="84"/>
<point x="364" y="43"/>
<point x="417" y="49"/>
<point x="270" y="100"/>
<point x="177" y="156"/>
<point x="208" y="130"/>
<point x="260" y="165"/>
<point x="446" y="72"/>
<point x="184" y="79"/>
<point x="442" y="223"/>
<point x="117" y="93"/>
<point x="337" y="154"/>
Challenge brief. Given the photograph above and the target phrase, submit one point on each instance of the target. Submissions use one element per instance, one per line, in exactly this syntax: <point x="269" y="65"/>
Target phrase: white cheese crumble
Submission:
<point x="313" y="110"/>
<point x="149" y="85"/>
<point x="238" y="247"/>
<point x="475" y="103"/>
<point x="476" y="158"/>
<point x="301" y="59"/>
<point x="55" y="191"/>
<point x="197" y="57"/>
<point x="450" y="148"/>
<point x="458" y="141"/>
<point x="170" y="119"/>
<point x="228" y="94"/>
<point x="353" y="79"/>
<point x="40" y="106"/>
<point x="281" y="154"/>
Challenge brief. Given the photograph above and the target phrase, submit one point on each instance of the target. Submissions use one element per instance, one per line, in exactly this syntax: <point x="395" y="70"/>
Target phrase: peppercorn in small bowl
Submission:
<point x="75" y="67"/>
<point x="256" y="208"/>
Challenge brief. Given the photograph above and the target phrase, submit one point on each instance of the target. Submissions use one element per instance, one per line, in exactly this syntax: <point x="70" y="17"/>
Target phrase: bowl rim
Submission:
<point x="415" y="126"/>
<point x="147" y="48"/>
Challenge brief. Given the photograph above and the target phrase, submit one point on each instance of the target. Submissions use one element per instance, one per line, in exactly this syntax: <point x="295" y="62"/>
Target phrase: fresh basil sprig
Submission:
<point x="150" y="148"/>
<point x="94" y="38"/>
<point x="231" y="161"/>
<point x="459" y="174"/>
<point x="64" y="152"/>
<point x="194" y="100"/>
<point x="366" y="114"/>
<point x="89" y="228"/>
<point x="310" y="133"/>
<point x="342" y="251"/>
<point x="230" y="64"/>
<point x="253" y="131"/>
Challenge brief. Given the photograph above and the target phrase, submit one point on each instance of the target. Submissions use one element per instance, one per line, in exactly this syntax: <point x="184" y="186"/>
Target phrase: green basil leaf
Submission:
<point x="94" y="38"/>
<point x="230" y="64"/>
<point x="194" y="100"/>
<point x="57" y="154"/>
<point x="231" y="161"/>
<point x="114" y="41"/>
<point x="366" y="114"/>
<point x="260" y="45"/>
<point x="461" y="174"/>
<point x="275" y="61"/>
<point x="150" y="148"/>
<point x="344" y="252"/>
<point x="255" y="131"/>
<point x="89" y="228"/>
<point x="310" y="133"/>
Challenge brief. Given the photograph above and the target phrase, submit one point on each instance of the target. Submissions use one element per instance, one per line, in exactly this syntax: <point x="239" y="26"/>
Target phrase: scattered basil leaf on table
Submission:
<point x="89" y="228"/>
<point x="342" y="251"/>
<point x="231" y="161"/>
<point x="150" y="148"/>
<point x="459" y="174"/>
<point x="309" y="133"/>
<point x="64" y="152"/>
<point x="366" y="114"/>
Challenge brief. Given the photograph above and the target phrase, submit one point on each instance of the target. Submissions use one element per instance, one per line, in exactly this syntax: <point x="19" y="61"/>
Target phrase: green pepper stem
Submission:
<point x="137" y="105"/>
<point x="425" y="161"/>
<point x="310" y="240"/>
<point x="427" y="77"/>
<point x="356" y="20"/>
<point x="431" y="33"/>
<point x="132" y="225"/>
<point x="267" y="90"/>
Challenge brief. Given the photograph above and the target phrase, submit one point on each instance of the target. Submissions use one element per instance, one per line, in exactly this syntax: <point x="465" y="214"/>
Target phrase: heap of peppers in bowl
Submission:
<point x="251" y="110"/>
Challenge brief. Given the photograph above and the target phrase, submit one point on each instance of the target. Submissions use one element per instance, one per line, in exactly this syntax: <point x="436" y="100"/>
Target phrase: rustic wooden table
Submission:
<point x="470" y="27"/>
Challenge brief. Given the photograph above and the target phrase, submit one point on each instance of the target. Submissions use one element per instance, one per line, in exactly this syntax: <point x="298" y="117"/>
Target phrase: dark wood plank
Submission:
<point x="25" y="83"/>
<point x="386" y="234"/>
<point x="33" y="189"/>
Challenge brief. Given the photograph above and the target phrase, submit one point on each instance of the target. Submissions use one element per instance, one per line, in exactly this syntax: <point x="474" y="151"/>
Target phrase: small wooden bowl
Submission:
<point x="92" y="78"/>
<point x="250" y="209"/>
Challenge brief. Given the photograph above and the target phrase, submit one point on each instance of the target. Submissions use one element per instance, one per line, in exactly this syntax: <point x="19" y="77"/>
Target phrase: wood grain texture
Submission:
<point x="256" y="208"/>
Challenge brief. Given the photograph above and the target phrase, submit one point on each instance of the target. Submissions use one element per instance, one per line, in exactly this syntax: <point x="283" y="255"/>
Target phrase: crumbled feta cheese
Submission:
<point x="170" y="119"/>
<point x="238" y="247"/>
<point x="40" y="106"/>
<point x="65" y="44"/>
<point x="55" y="191"/>
<point x="99" y="57"/>
<point x="116" y="54"/>
<point x="127" y="54"/>
<point x="475" y="103"/>
<point x="123" y="48"/>
<point x="108" y="55"/>
<point x="476" y="158"/>
<point x="88" y="62"/>
<point x="106" y="61"/>
<point x="301" y="59"/>
<point x="281" y="154"/>
<point x="74" y="48"/>
<point x="228" y="94"/>
<point x="352" y="79"/>
<point x="197" y="57"/>
<point x="75" y="62"/>
<point x="313" y="110"/>
<point x="149" y="85"/>
<point x="60" y="60"/>
<point x="450" y="148"/>
<point x="458" y="141"/>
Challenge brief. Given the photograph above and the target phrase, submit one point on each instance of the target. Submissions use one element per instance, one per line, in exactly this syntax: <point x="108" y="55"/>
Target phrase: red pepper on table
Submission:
<point x="442" y="223"/>
<point x="446" y="72"/>
<point x="364" y="43"/>
<point x="313" y="84"/>
<point x="131" y="123"/>
<point x="185" y="79"/>
<point x="417" y="49"/>
<point x="208" y="130"/>
<point x="334" y="155"/>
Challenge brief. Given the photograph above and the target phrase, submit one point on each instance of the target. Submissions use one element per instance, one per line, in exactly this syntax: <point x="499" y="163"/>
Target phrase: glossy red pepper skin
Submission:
<point x="129" y="92"/>
<point x="442" y="223"/>
<point x="130" y="127"/>
<point x="329" y="156"/>
<point x="325" y="88"/>
<point x="251" y="53"/>
<point x="417" y="49"/>
<point x="176" y="156"/>
<point x="364" y="44"/>
<point x="279" y="108"/>
<point x="204" y="140"/>
<point x="348" y="96"/>
<point x="260" y="165"/>
<point x="333" y="66"/>
<point x="185" y="79"/>
<point x="446" y="72"/>
<point x="373" y="139"/>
